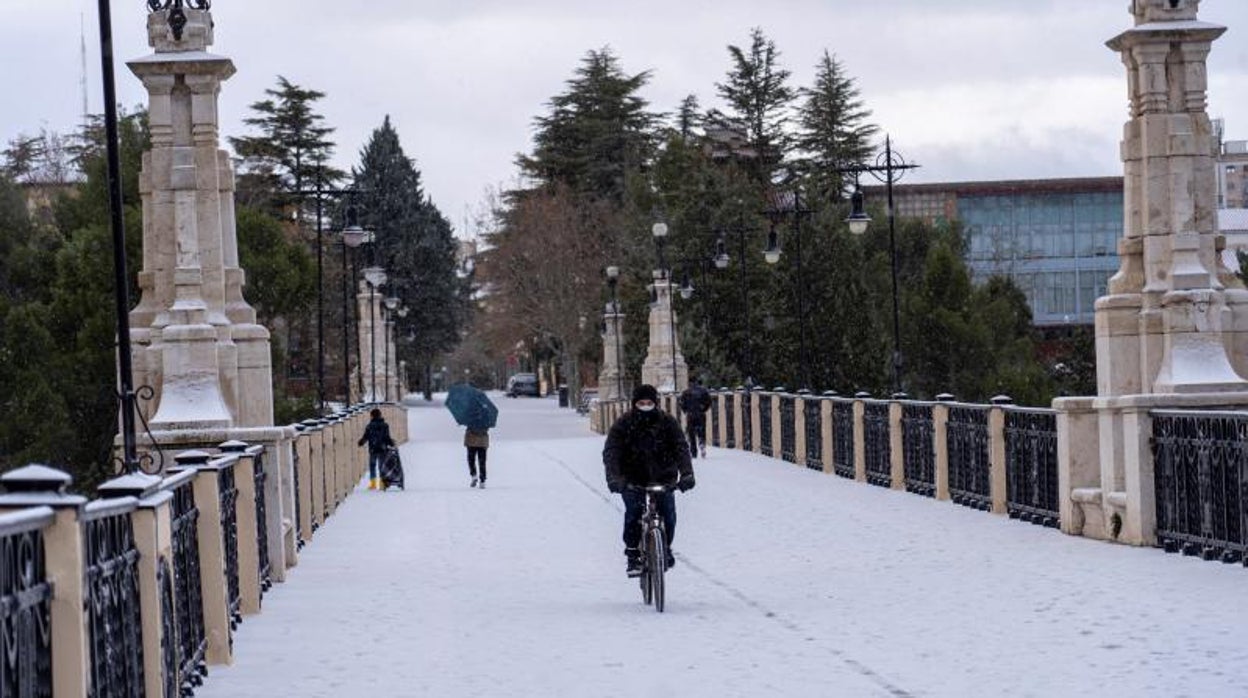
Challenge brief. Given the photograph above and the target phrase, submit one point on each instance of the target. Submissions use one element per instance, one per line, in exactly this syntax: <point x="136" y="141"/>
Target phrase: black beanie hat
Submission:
<point x="645" y="392"/>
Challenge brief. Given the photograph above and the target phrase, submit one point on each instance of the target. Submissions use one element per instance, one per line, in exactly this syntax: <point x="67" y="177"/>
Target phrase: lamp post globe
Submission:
<point x="858" y="219"/>
<point x="659" y="230"/>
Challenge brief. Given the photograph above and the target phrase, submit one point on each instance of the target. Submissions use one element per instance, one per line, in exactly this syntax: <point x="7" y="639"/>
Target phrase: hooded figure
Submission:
<point x="646" y="447"/>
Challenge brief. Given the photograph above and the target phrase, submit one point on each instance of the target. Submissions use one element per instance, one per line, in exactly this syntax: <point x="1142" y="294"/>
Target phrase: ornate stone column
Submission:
<point x="663" y="358"/>
<point x="1166" y="331"/>
<point x="610" y="378"/>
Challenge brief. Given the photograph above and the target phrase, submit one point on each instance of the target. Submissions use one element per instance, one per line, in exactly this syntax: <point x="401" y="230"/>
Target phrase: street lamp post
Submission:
<point x="125" y="372"/>
<point x="783" y="203"/>
<point x="613" y="279"/>
<point x="889" y="168"/>
<point x="400" y="380"/>
<point x="352" y="237"/>
<point x="722" y="260"/>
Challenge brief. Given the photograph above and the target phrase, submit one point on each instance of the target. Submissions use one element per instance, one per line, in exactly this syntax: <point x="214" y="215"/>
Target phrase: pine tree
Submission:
<point x="416" y="246"/>
<point x="291" y="150"/>
<point x="833" y="130"/>
<point x="598" y="134"/>
<point x="758" y="94"/>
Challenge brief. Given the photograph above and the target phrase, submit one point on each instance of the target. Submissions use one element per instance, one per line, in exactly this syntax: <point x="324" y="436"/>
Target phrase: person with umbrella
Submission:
<point x="474" y="411"/>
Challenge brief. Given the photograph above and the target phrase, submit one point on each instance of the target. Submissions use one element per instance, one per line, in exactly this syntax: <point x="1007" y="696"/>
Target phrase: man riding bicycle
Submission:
<point x="646" y="447"/>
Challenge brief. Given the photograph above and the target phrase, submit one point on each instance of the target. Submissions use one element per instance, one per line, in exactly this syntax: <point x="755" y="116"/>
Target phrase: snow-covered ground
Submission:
<point x="789" y="583"/>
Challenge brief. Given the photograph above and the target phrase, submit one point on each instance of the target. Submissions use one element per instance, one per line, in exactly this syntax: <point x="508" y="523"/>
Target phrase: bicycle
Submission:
<point x="653" y="546"/>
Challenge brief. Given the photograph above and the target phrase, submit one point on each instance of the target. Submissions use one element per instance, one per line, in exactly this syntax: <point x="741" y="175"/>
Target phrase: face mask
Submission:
<point x="645" y="408"/>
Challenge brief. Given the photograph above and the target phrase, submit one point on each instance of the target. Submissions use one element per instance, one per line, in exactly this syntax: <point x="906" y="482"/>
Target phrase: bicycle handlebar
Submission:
<point x="664" y="488"/>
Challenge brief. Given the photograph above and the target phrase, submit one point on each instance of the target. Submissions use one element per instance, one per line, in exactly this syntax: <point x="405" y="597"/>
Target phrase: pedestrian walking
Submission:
<point x="377" y="436"/>
<point x="477" y="442"/>
<point x="694" y="402"/>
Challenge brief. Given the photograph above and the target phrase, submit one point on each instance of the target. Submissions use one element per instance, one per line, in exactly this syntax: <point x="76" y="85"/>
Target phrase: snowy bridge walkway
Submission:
<point x="789" y="583"/>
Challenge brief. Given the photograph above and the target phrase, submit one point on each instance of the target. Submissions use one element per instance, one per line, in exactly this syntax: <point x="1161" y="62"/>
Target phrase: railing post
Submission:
<point x="303" y="467"/>
<point x="720" y="426"/>
<point x="1139" y="521"/>
<point x="65" y="567"/>
<point x="996" y="454"/>
<point x="152" y="522"/>
<point x="214" y="587"/>
<point x="756" y="423"/>
<point x="316" y="463"/>
<point x="896" y="446"/>
<point x="825" y="424"/>
<point x="1079" y="468"/>
<point x="860" y="436"/>
<point x="940" y="434"/>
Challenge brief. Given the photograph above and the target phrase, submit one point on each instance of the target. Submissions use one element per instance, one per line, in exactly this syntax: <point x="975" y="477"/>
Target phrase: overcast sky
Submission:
<point x="974" y="89"/>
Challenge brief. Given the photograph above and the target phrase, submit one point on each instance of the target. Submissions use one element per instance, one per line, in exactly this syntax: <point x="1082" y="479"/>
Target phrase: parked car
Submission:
<point x="523" y="384"/>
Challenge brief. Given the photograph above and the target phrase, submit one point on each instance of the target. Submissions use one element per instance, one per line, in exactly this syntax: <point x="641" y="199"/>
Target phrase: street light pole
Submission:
<point x="125" y="371"/>
<point x="320" y="294"/>
<point x="889" y="168"/>
<point x="780" y="206"/>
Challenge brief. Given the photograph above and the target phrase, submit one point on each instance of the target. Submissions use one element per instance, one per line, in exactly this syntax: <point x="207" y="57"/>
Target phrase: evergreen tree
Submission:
<point x="758" y="95"/>
<point x="598" y="133"/>
<point x="416" y="246"/>
<point x="833" y="132"/>
<point x="688" y="117"/>
<point x="291" y="150"/>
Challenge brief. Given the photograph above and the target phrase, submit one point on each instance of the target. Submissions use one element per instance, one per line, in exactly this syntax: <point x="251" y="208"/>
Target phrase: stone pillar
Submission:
<point x="372" y="341"/>
<point x="1165" y="330"/>
<point x="664" y="346"/>
<point x="611" y="378"/>
<point x="184" y="340"/>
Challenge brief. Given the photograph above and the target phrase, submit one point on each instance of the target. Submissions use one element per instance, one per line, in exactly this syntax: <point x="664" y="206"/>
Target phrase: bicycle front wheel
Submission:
<point x="656" y="550"/>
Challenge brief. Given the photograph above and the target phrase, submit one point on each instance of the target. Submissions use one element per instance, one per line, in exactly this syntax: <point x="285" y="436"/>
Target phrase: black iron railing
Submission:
<point x="299" y="501"/>
<point x="788" y="428"/>
<point x="1031" y="465"/>
<point x="188" y="595"/>
<point x="730" y="422"/>
<point x="229" y="530"/>
<point x="969" y="470"/>
<point x="713" y="437"/>
<point x="168" y="629"/>
<point x="813" y="415"/>
<point x="918" y="448"/>
<point x="114" y="622"/>
<point x="764" y="424"/>
<point x="877" y="443"/>
<point x="262" y="538"/>
<point x="25" y="606"/>
<point x="1200" y="464"/>
<point x="747" y="422"/>
<point x="843" y="438"/>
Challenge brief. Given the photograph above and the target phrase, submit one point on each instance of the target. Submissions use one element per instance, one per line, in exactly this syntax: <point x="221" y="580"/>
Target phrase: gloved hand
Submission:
<point x="615" y="486"/>
<point x="686" y="483"/>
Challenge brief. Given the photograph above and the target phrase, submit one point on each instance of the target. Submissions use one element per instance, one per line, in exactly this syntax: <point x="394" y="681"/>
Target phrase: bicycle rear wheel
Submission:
<point x="656" y="550"/>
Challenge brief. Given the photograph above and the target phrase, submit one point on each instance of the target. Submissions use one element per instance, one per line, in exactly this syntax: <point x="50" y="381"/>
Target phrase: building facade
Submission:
<point x="1056" y="238"/>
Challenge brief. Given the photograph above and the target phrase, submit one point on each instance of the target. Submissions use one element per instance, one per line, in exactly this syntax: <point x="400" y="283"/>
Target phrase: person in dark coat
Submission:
<point x="646" y="447"/>
<point x="377" y="436"/>
<point x="477" y="441"/>
<point x="694" y="402"/>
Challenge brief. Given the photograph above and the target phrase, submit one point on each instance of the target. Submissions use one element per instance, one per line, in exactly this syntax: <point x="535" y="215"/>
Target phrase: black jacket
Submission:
<point x="376" y="435"/>
<point x="646" y="448"/>
<point x="695" y="401"/>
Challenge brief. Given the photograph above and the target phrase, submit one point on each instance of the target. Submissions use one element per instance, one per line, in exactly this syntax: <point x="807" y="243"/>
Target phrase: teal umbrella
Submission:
<point x="471" y="407"/>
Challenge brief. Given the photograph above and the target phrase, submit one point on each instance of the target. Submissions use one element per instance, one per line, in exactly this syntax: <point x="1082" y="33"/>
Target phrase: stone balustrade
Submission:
<point x="139" y="590"/>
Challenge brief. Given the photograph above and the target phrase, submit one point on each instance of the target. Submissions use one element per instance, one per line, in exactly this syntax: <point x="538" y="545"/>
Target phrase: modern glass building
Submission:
<point x="1056" y="238"/>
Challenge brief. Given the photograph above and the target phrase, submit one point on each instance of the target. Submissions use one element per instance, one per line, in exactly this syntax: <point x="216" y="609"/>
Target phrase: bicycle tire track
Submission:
<point x="862" y="669"/>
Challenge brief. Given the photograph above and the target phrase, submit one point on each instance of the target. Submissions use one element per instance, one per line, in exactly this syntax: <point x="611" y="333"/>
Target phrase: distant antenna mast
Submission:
<point x="82" y="33"/>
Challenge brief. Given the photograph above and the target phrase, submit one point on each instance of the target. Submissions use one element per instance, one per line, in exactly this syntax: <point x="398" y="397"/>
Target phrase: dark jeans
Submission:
<point x="476" y="455"/>
<point x="696" y="429"/>
<point x="375" y="459"/>
<point x="635" y="505"/>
